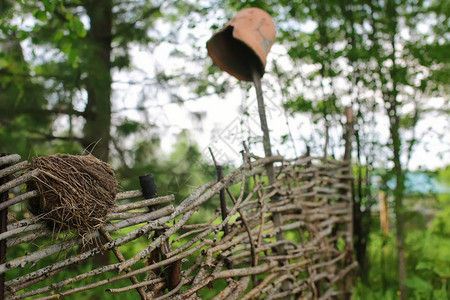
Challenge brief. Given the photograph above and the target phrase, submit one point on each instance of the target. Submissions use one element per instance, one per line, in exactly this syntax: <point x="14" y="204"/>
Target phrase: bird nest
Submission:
<point x="76" y="192"/>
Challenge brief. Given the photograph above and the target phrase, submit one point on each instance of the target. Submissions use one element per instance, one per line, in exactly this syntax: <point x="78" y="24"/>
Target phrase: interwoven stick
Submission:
<point x="315" y="212"/>
<point x="120" y="257"/>
<point x="14" y="168"/>
<point x="17" y="199"/>
<point x="18" y="181"/>
<point x="9" y="159"/>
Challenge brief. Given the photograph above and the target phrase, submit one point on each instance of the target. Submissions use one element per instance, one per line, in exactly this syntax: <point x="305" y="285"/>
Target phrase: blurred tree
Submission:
<point x="22" y="122"/>
<point x="73" y="48"/>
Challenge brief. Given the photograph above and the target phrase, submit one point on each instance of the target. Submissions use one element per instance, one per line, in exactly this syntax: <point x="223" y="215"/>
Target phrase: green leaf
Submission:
<point x="41" y="15"/>
<point x="49" y="5"/>
<point x="38" y="69"/>
<point x="300" y="105"/>
<point x="66" y="47"/>
<point x="79" y="28"/>
<point x="73" y="57"/>
<point x="440" y="294"/>
<point x="418" y="284"/>
<point x="58" y="35"/>
<point x="22" y="35"/>
<point x="424" y="265"/>
<point x="3" y="63"/>
<point x="128" y="127"/>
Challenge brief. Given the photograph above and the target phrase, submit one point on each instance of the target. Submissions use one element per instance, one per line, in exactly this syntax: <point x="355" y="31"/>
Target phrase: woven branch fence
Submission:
<point x="236" y="253"/>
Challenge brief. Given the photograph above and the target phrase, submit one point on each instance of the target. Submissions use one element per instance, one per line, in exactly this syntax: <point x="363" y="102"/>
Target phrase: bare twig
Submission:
<point x="14" y="168"/>
<point x="120" y="257"/>
<point x="20" y="198"/>
<point x="9" y="159"/>
<point x="143" y="203"/>
<point x="18" y="181"/>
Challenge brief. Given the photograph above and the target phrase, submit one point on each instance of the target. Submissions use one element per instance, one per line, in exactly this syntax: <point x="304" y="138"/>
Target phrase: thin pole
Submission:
<point x="277" y="217"/>
<point x="3" y="223"/>
<point x="265" y="129"/>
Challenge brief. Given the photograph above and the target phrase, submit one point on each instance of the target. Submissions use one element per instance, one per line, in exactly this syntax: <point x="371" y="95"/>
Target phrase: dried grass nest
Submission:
<point x="76" y="192"/>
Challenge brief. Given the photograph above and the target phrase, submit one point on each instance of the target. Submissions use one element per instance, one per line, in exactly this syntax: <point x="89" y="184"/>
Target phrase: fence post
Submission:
<point x="223" y="203"/>
<point x="3" y="224"/>
<point x="277" y="216"/>
<point x="172" y="272"/>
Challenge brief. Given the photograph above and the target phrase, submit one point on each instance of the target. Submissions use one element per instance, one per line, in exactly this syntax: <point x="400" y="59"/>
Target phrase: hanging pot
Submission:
<point x="243" y="44"/>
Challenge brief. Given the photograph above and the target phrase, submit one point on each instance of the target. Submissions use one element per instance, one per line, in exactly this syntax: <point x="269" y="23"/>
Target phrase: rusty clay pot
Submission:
<point x="243" y="44"/>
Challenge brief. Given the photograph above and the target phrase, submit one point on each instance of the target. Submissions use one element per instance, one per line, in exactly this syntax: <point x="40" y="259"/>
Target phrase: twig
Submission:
<point x="13" y="232"/>
<point x="257" y="290"/>
<point x="120" y="257"/>
<point x="35" y="256"/>
<point x="9" y="159"/>
<point x="14" y="168"/>
<point x="247" y="228"/>
<point x="17" y="199"/>
<point x="138" y="285"/>
<point x="105" y="281"/>
<point x="19" y="180"/>
<point x="143" y="203"/>
<point x="3" y="228"/>
<point x="124" y="215"/>
<point x="128" y="195"/>
<point x="260" y="202"/>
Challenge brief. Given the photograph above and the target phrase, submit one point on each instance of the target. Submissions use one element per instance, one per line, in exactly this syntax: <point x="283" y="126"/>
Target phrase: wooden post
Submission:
<point x="267" y="149"/>
<point x="348" y="132"/>
<point x="384" y="224"/>
<point x="3" y="224"/>
<point x="384" y="213"/>
<point x="223" y="203"/>
<point x="277" y="216"/>
<point x="173" y="271"/>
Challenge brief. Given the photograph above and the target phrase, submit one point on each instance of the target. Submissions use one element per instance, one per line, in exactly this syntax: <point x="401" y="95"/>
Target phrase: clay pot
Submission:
<point x="243" y="44"/>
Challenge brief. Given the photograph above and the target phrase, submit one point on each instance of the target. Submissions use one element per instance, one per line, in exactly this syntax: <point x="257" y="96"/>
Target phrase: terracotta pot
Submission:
<point x="243" y="43"/>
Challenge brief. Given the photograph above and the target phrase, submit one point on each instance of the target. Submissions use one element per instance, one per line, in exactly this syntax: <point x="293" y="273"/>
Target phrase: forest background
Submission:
<point x="109" y="77"/>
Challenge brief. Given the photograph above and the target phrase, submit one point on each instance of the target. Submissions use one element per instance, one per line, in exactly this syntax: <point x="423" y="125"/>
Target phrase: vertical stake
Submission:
<point x="265" y="129"/>
<point x="267" y="150"/>
<point x="277" y="216"/>
<point x="3" y="224"/>
<point x="223" y="203"/>
<point x="172" y="272"/>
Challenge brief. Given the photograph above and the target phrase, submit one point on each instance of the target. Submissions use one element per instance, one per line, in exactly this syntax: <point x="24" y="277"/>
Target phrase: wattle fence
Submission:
<point x="236" y="252"/>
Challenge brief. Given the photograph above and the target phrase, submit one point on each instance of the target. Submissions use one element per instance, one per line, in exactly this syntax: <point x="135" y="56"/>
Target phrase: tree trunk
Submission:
<point x="398" y="197"/>
<point x="359" y="231"/>
<point x="394" y="121"/>
<point x="98" y="85"/>
<point x="98" y="82"/>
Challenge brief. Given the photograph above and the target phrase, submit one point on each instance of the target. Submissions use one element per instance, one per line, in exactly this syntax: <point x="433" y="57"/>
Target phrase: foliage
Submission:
<point x="427" y="251"/>
<point x="428" y="267"/>
<point x="72" y="51"/>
